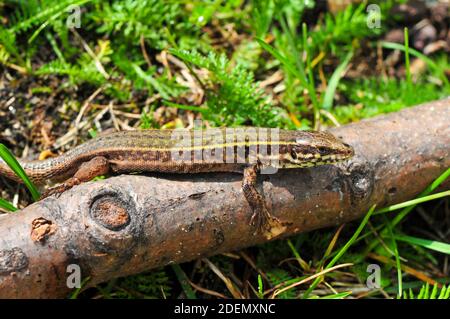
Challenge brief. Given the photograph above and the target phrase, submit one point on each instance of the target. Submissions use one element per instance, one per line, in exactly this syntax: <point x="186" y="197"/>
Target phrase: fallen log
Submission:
<point x="129" y="224"/>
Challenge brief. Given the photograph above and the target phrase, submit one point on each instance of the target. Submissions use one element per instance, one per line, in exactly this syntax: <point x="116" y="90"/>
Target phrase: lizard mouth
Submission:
<point x="311" y="160"/>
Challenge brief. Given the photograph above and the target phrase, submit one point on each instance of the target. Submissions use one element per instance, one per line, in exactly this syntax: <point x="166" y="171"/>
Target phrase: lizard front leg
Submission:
<point x="97" y="166"/>
<point x="265" y="223"/>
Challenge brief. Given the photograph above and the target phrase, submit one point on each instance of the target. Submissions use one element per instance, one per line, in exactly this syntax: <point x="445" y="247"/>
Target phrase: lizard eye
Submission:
<point x="293" y="155"/>
<point x="322" y="150"/>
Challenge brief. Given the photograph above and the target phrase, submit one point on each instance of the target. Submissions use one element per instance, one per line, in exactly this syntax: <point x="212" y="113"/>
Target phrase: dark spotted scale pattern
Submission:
<point x="226" y="149"/>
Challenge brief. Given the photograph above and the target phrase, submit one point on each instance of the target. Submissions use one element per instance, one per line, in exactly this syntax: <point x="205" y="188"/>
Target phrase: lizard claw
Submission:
<point x="59" y="189"/>
<point x="266" y="224"/>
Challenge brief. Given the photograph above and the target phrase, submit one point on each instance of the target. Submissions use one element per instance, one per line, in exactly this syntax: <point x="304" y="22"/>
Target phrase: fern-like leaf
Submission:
<point x="233" y="96"/>
<point x="424" y="293"/>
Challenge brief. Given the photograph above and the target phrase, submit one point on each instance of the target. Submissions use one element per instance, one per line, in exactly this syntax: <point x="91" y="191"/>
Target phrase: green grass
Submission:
<point x="232" y="96"/>
<point x="343" y="250"/>
<point x="429" y="244"/>
<point x="207" y="60"/>
<point x="184" y="282"/>
<point x="407" y="64"/>
<point x="7" y="205"/>
<point x="424" y="293"/>
<point x="334" y="81"/>
<point x="405" y="48"/>
<point x="413" y="202"/>
<point x="11" y="161"/>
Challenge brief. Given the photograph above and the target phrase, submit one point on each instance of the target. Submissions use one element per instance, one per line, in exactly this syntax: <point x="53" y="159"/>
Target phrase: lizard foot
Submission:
<point x="266" y="224"/>
<point x="59" y="189"/>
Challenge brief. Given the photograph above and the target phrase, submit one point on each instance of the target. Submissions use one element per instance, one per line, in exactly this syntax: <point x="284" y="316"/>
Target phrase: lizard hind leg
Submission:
<point x="262" y="219"/>
<point x="97" y="166"/>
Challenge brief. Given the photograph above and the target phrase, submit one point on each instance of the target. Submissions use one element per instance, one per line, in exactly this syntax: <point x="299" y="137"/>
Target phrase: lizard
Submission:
<point x="247" y="151"/>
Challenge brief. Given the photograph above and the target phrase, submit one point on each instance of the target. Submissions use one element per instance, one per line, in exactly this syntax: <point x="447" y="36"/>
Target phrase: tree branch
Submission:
<point x="129" y="224"/>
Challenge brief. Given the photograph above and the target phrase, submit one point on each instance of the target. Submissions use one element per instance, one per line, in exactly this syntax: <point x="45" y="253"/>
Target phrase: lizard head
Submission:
<point x="311" y="148"/>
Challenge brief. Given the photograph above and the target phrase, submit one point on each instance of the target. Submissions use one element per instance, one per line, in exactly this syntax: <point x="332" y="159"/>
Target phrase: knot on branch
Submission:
<point x="12" y="260"/>
<point x="113" y="221"/>
<point x="362" y="180"/>
<point x="110" y="212"/>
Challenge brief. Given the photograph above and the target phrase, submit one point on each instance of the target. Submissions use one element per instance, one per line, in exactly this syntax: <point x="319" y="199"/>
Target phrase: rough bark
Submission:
<point x="128" y="224"/>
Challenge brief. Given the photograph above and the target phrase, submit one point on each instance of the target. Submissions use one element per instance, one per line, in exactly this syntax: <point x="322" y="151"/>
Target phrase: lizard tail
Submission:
<point x="6" y="171"/>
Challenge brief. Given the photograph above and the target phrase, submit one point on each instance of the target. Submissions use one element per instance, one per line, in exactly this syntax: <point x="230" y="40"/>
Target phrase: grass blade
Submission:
<point x="426" y="243"/>
<point x="76" y="292"/>
<point x="412" y="202"/>
<point x="310" y="73"/>
<point x="150" y="80"/>
<point x="405" y="211"/>
<point x="334" y="81"/>
<point x="298" y="71"/>
<point x="352" y="239"/>
<point x="408" y="69"/>
<point x="184" y="282"/>
<point x="260" y="287"/>
<point x="280" y="57"/>
<point x="397" y="259"/>
<point x="438" y="181"/>
<point x="7" y="205"/>
<point x="340" y="295"/>
<point x="297" y="57"/>
<point x="343" y="250"/>
<point x="11" y="161"/>
<point x="187" y="107"/>
<point x="417" y="54"/>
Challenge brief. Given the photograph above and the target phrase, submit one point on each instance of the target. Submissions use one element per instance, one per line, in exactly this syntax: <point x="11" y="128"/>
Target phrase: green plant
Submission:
<point x="7" y="205"/>
<point x="15" y="166"/>
<point x="184" y="281"/>
<point x="132" y="20"/>
<point x="232" y="96"/>
<point x="338" y="32"/>
<point x="116" y="64"/>
<point x="155" y="284"/>
<point x="299" y="54"/>
<point x="425" y="293"/>
<point x="342" y="251"/>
